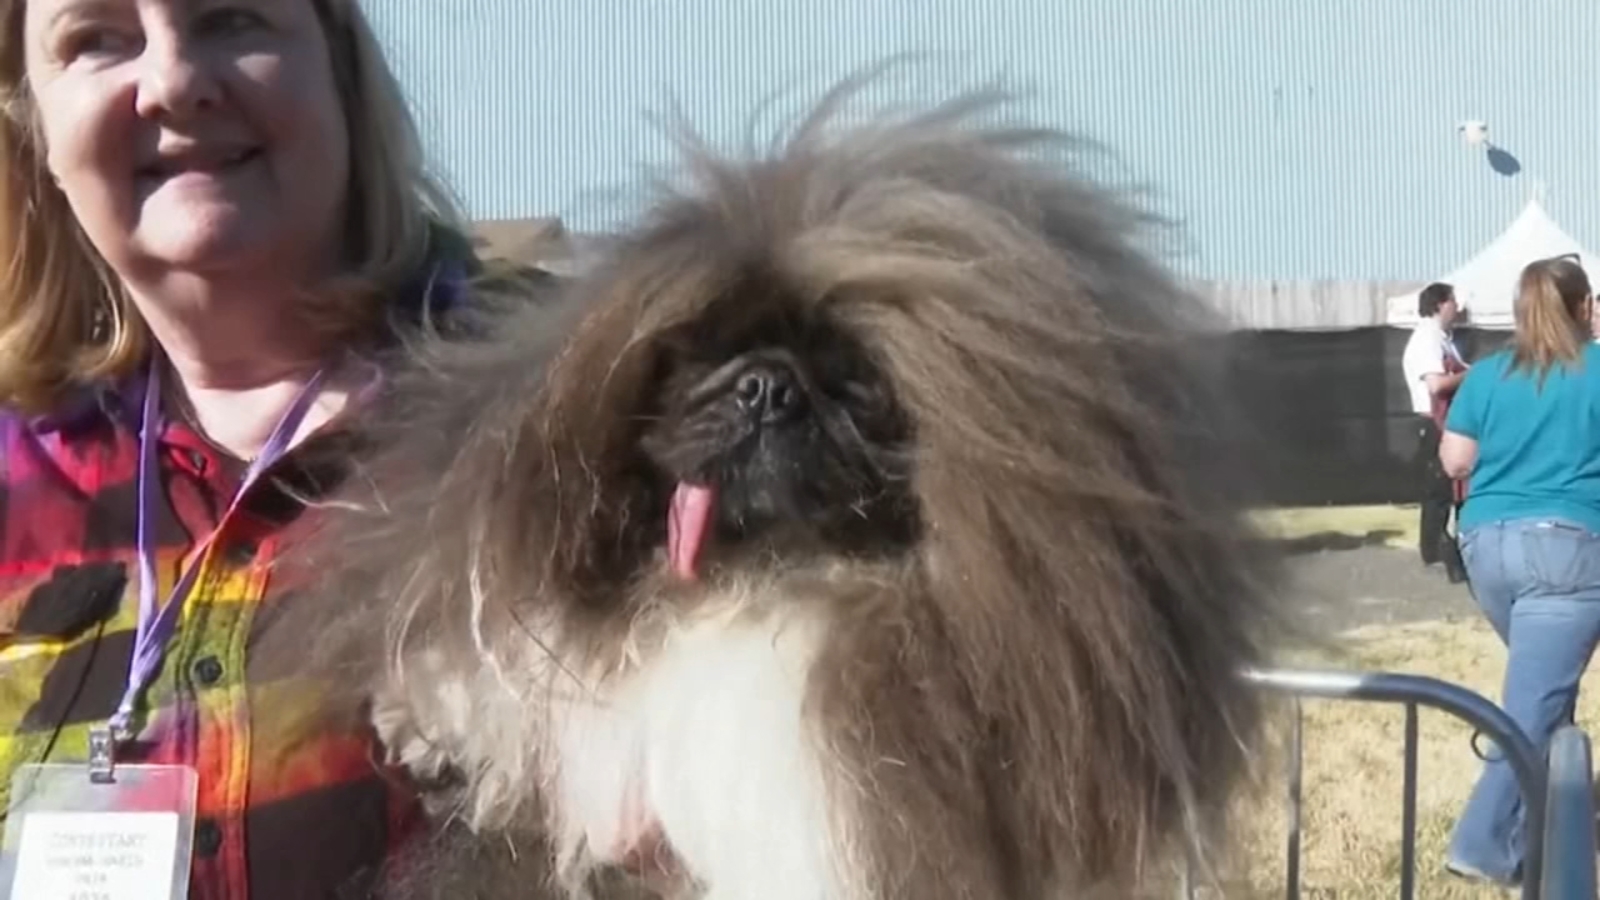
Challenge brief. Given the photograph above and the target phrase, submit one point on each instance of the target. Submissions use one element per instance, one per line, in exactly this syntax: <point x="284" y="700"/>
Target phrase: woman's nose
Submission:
<point x="175" y="80"/>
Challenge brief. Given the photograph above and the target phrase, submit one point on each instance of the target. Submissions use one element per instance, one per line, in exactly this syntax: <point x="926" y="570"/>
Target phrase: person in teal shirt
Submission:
<point x="1524" y="430"/>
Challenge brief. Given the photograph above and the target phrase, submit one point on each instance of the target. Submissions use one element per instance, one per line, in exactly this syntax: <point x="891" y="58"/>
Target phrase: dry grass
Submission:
<point x="1350" y="812"/>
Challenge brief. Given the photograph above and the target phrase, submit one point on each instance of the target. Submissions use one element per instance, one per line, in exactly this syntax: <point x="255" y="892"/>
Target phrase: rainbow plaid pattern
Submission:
<point x="286" y="810"/>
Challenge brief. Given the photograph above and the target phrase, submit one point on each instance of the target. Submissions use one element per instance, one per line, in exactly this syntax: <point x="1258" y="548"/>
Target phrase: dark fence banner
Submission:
<point x="1331" y="411"/>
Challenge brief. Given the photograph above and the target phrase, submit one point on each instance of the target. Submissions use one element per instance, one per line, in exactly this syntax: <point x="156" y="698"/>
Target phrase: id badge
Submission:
<point x="124" y="837"/>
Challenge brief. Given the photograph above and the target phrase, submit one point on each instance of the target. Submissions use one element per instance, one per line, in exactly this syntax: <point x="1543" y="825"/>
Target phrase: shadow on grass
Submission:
<point x="1334" y="540"/>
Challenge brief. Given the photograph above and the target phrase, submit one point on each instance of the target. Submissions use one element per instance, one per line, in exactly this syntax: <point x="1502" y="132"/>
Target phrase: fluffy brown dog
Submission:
<point x="859" y="526"/>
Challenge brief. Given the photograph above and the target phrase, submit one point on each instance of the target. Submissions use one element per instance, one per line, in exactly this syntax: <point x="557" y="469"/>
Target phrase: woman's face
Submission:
<point x="201" y="136"/>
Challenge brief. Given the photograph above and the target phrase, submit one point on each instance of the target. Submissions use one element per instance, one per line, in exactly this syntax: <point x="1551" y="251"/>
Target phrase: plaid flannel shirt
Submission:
<point x="286" y="809"/>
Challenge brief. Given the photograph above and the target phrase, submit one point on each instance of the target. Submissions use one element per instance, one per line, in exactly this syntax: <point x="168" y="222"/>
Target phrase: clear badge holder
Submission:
<point x="98" y="833"/>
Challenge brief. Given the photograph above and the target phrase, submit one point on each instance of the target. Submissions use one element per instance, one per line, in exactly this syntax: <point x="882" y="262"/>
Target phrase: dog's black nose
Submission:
<point x="769" y="392"/>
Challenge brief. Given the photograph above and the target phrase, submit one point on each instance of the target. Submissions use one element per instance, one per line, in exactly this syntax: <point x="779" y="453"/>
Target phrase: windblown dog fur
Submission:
<point x="999" y="658"/>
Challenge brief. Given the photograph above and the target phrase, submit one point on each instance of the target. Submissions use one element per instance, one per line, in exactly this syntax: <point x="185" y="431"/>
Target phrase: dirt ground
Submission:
<point x="1353" y="567"/>
<point x="1339" y="590"/>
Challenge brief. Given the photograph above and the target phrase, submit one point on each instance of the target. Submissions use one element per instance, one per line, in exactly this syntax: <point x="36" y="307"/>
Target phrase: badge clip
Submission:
<point x="102" y="749"/>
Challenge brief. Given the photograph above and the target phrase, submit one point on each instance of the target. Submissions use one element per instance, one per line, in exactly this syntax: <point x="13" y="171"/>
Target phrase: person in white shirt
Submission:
<point x="1433" y="368"/>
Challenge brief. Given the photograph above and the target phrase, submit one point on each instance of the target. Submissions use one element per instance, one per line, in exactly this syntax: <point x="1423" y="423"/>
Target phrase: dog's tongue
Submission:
<point x="687" y="523"/>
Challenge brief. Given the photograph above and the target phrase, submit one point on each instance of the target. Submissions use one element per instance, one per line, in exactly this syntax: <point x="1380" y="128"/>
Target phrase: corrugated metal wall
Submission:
<point x="1295" y="140"/>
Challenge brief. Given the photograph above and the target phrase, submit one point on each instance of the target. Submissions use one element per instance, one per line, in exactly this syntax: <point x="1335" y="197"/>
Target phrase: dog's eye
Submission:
<point x="865" y="397"/>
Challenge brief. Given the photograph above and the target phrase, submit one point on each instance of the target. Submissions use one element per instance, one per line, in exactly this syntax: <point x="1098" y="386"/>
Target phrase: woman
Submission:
<point x="1525" y="427"/>
<point x="212" y="213"/>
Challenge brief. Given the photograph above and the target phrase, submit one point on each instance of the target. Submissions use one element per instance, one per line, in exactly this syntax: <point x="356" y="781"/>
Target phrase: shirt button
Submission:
<point x="208" y="670"/>
<point x="207" y="838"/>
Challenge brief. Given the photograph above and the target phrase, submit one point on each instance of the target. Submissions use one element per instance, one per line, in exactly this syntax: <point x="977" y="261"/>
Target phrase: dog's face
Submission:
<point x="773" y="431"/>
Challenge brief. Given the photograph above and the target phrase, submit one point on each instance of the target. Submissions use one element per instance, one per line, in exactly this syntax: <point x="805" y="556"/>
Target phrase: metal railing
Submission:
<point x="1559" y="856"/>
<point x="1569" y="811"/>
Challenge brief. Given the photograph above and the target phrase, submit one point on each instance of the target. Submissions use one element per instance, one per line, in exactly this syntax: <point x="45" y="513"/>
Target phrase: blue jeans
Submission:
<point x="1538" y="582"/>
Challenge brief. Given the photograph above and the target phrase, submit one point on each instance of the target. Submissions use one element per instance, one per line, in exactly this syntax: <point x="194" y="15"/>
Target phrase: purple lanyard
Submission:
<point x="155" y="626"/>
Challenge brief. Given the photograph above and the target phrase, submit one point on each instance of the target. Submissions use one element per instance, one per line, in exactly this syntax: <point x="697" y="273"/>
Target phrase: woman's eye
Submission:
<point x="96" y="41"/>
<point x="229" y="20"/>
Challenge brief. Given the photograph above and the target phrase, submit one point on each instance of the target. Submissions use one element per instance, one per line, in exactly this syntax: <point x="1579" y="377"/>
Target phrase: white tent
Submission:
<point x="1486" y="284"/>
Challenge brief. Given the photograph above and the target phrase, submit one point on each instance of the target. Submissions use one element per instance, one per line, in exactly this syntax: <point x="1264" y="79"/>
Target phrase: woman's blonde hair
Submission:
<point x="65" y="319"/>
<point x="1552" y="315"/>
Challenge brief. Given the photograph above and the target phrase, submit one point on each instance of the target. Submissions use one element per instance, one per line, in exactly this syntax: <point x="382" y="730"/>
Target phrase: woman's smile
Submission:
<point x="198" y="168"/>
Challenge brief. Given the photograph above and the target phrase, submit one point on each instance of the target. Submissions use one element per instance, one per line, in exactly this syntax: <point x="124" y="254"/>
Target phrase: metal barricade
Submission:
<point x="1569" y="826"/>
<point x="1550" y="811"/>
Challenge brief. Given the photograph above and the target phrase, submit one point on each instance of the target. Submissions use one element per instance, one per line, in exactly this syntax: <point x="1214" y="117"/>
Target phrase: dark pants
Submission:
<point x="1437" y="496"/>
